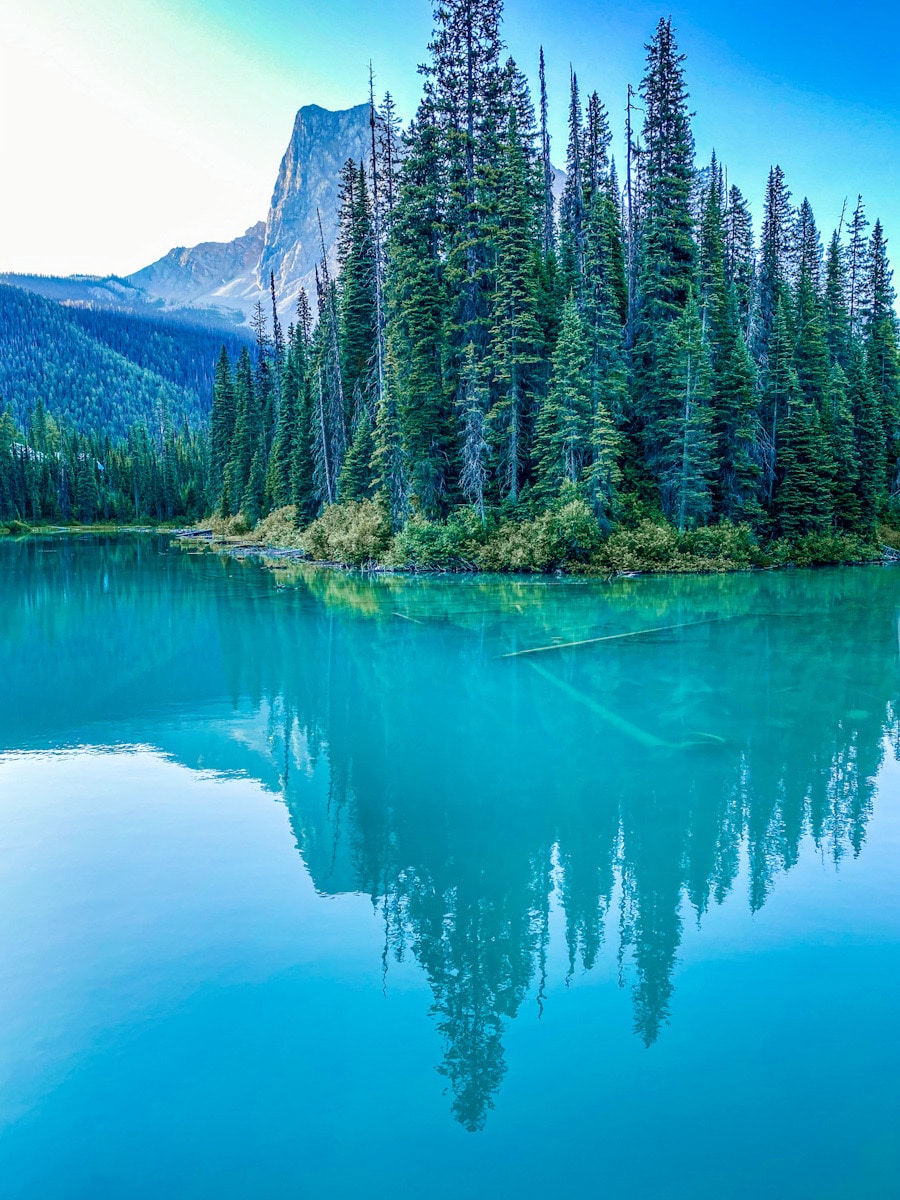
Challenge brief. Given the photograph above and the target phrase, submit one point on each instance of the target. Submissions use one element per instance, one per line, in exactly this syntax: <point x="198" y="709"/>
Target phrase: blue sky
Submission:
<point x="130" y="126"/>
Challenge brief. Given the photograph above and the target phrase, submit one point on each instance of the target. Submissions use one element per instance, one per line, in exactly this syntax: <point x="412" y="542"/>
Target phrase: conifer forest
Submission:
<point x="501" y="377"/>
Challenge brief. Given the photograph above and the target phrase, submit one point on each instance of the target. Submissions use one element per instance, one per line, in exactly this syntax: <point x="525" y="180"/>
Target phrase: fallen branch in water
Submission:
<point x="613" y="637"/>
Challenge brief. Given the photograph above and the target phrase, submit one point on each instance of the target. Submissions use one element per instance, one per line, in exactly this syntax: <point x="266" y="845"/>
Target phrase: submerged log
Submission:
<point x="612" y="637"/>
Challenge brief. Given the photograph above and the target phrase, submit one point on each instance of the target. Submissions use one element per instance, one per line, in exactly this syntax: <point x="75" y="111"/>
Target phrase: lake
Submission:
<point x="311" y="884"/>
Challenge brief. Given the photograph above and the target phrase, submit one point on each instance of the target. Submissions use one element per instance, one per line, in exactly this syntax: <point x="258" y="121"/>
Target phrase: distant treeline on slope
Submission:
<point x="104" y="371"/>
<point x="50" y="472"/>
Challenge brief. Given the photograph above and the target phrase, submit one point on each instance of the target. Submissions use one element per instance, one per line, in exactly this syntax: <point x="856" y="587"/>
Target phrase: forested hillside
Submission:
<point x="46" y="355"/>
<point x="103" y="414"/>
<point x="174" y="346"/>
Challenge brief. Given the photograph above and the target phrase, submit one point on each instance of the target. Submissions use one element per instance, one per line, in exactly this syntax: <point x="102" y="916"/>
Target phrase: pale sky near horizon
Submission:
<point x="131" y="126"/>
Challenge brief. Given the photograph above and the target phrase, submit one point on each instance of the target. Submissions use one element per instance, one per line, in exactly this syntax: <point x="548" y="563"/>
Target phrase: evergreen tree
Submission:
<point x="856" y="266"/>
<point x="517" y="349"/>
<point x="564" y="420"/>
<point x="355" y="481"/>
<point x="667" y="252"/>
<point x="775" y="264"/>
<point x="246" y="438"/>
<point x="740" y="255"/>
<point x="464" y="90"/>
<point x="684" y="455"/>
<point x="356" y="290"/>
<point x="882" y="350"/>
<point x="303" y="492"/>
<point x="572" y="206"/>
<point x="836" y="315"/>
<point x="870" y="441"/>
<point x="804" y="498"/>
<point x="837" y="426"/>
<point x="548" y="218"/>
<point x="254" y="496"/>
<point x="414" y="431"/>
<point x="280" y="470"/>
<point x="221" y="422"/>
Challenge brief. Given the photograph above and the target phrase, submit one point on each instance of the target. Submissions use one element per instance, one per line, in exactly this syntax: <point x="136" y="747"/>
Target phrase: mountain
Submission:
<point x="104" y="370"/>
<point x="305" y="191"/>
<point x="223" y="280"/>
<point x="103" y="291"/>
<point x="230" y="276"/>
<point x="214" y="275"/>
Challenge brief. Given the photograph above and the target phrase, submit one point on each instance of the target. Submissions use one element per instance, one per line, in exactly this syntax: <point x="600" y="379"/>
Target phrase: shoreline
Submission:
<point x="240" y="548"/>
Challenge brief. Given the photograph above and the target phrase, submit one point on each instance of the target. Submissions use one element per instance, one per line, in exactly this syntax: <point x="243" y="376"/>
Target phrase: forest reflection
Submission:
<point x="631" y="781"/>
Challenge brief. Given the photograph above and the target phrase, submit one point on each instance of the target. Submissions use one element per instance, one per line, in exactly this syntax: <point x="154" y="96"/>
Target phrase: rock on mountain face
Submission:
<point x="212" y="275"/>
<point x="229" y="276"/>
<point x="307" y="189"/>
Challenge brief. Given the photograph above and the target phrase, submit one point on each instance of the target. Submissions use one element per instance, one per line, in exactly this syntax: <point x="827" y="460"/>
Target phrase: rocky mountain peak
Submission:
<point x="306" y="189"/>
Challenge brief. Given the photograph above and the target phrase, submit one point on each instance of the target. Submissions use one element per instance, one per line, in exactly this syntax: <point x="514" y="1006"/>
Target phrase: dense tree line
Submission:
<point x="52" y="472"/>
<point x="177" y="347"/>
<point x="631" y="346"/>
<point x="103" y="371"/>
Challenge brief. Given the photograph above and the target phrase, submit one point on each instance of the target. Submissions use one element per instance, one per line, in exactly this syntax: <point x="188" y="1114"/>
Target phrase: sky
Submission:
<point x="131" y="126"/>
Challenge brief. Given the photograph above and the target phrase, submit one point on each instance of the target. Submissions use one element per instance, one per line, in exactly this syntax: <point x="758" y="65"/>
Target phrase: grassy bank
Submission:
<point x="566" y="538"/>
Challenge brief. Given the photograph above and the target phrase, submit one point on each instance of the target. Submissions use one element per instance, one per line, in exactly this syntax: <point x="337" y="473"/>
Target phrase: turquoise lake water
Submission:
<point x="307" y="890"/>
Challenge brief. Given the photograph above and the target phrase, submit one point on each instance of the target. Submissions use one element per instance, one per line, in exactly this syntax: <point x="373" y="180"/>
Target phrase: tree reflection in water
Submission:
<point x="632" y="779"/>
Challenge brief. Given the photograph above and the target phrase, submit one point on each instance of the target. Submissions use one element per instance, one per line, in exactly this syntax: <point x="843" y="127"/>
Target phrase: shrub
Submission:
<point x="823" y="549"/>
<point x="650" y="546"/>
<point x="229" y="526"/>
<point x="565" y="536"/>
<point x="734" y="545"/>
<point x="13" y="528"/>
<point x="453" y="545"/>
<point x="279" y="529"/>
<point x="353" y="533"/>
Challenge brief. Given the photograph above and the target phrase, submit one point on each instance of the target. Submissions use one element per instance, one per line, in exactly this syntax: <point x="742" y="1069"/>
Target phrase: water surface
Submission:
<point x="308" y="888"/>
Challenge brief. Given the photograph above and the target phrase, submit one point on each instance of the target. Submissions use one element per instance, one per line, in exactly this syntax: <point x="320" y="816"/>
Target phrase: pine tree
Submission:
<point x="870" y="441"/>
<point x="734" y="405"/>
<point x="684" y="457"/>
<point x="303" y="492"/>
<point x="464" y="86"/>
<point x="883" y="351"/>
<point x="836" y="314"/>
<point x="811" y="358"/>
<point x="837" y="426"/>
<point x="222" y="423"/>
<point x="280" y="470"/>
<point x="355" y="481"/>
<point x="413" y="431"/>
<point x="775" y="264"/>
<point x="778" y="387"/>
<point x="740" y="255"/>
<point x="253" y="499"/>
<point x="246" y="438"/>
<point x="548" y="218"/>
<point x="667" y="250"/>
<point x="572" y="210"/>
<point x="517" y="341"/>
<point x="857" y="258"/>
<point x="564" y="420"/>
<point x="804" y="497"/>
<point x="356" y="290"/>
<point x="604" y="475"/>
